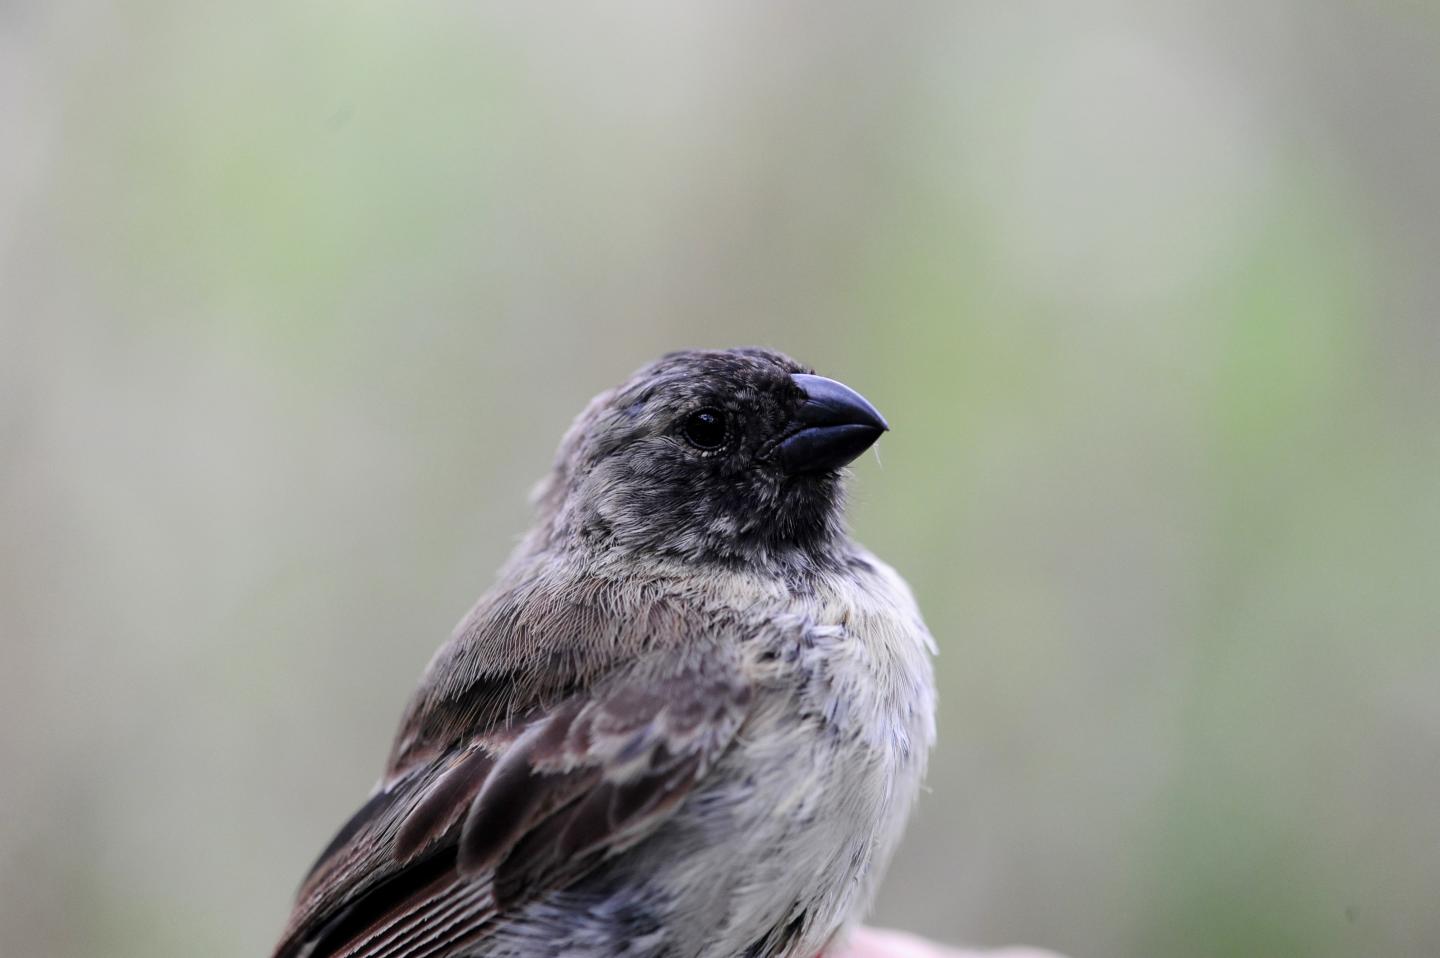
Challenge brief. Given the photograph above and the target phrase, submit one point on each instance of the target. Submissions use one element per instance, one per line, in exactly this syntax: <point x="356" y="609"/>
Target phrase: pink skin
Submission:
<point x="877" y="943"/>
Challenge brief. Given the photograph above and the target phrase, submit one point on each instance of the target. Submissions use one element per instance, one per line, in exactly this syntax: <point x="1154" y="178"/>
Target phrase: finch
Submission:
<point x="688" y="721"/>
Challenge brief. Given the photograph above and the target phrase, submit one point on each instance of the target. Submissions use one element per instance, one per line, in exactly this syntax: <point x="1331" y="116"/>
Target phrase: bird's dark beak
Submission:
<point x="833" y="425"/>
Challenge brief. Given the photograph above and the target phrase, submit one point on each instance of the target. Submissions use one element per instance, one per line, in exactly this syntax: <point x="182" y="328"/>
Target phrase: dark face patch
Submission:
<point x="680" y="460"/>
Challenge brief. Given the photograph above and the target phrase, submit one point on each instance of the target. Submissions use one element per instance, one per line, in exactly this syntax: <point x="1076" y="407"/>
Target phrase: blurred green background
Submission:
<point x="297" y="298"/>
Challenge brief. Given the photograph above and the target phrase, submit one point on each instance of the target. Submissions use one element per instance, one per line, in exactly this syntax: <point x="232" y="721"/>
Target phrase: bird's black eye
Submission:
<point x="705" y="429"/>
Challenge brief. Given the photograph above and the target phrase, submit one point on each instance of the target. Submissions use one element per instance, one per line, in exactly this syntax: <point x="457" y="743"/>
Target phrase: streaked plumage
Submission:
<point x="688" y="721"/>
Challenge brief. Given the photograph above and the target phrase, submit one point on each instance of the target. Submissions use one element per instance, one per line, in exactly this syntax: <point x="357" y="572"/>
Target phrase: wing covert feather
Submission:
<point x="473" y="835"/>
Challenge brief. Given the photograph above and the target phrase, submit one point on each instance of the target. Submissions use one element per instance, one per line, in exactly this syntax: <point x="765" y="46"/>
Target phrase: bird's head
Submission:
<point x="724" y="456"/>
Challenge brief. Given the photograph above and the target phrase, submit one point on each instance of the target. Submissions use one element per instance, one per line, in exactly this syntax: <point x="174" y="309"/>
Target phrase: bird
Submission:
<point x="690" y="718"/>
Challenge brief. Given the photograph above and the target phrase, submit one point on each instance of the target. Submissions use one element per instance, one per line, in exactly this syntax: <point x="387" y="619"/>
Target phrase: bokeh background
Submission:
<point x="296" y="299"/>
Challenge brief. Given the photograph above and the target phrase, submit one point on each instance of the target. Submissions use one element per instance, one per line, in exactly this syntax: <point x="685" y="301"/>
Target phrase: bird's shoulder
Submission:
<point x="537" y="640"/>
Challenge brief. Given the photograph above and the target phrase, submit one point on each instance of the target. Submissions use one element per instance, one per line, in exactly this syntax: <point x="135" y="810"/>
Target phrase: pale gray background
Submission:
<point x="296" y="298"/>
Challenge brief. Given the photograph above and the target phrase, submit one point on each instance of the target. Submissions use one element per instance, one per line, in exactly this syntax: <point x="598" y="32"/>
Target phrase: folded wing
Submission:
<point x="456" y="844"/>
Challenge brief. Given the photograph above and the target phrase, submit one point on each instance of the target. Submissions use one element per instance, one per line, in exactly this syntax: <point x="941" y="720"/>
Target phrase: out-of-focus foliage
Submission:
<point x="296" y="298"/>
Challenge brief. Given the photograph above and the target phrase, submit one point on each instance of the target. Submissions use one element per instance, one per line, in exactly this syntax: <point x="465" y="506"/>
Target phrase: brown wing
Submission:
<point x="446" y="852"/>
